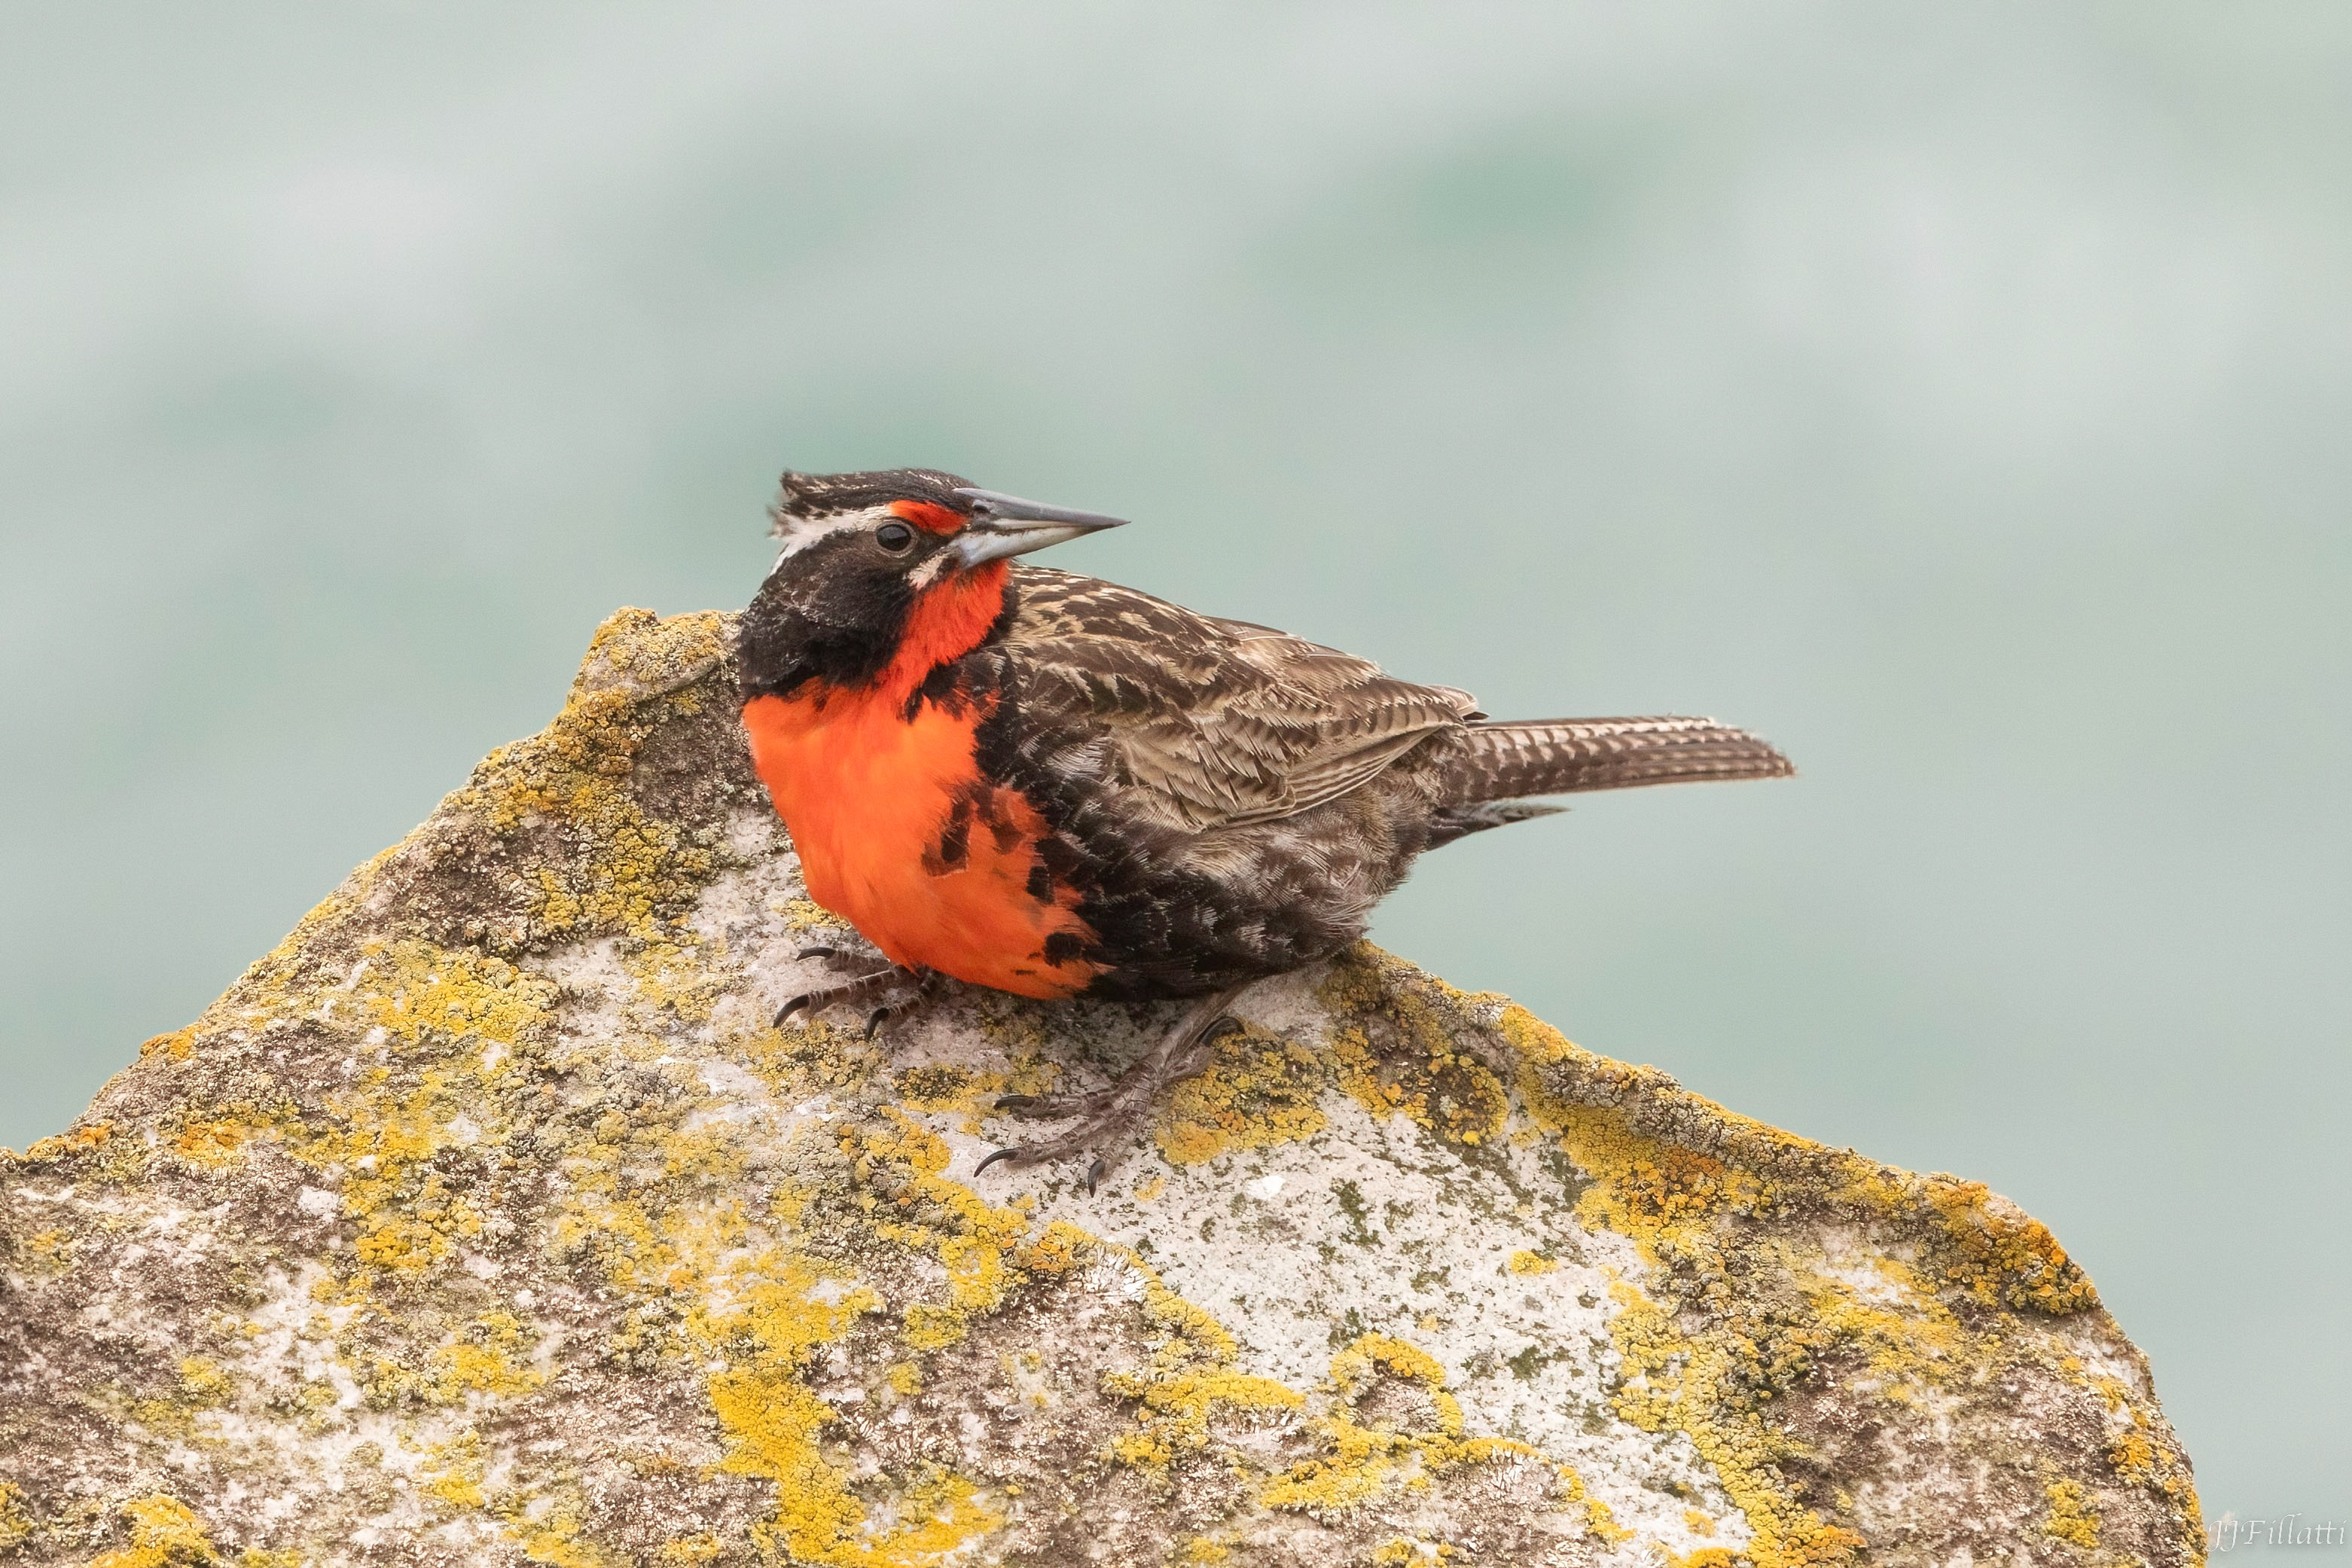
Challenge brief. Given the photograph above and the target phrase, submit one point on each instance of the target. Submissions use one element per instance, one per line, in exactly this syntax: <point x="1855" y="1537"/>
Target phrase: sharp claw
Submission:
<point x="1094" y="1174"/>
<point x="791" y="1007"/>
<point x="817" y="953"/>
<point x="874" y="1020"/>
<point x="1000" y="1154"/>
<point x="1228" y="1024"/>
<point x="1016" y="1102"/>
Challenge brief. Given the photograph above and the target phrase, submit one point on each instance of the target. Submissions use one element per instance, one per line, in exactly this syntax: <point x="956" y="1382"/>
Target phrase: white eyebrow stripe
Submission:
<point x="802" y="533"/>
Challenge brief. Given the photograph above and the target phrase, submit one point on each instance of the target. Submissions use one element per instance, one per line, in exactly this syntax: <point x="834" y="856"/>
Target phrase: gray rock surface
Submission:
<point x="488" y="1219"/>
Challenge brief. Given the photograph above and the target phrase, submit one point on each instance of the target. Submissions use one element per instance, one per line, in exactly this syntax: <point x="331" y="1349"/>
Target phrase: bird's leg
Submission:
<point x="891" y="992"/>
<point x="1109" y="1118"/>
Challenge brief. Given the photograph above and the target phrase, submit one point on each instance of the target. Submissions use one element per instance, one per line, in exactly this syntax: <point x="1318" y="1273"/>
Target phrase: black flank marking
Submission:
<point x="1040" y="884"/>
<point x="955" y="841"/>
<point x="1063" y="946"/>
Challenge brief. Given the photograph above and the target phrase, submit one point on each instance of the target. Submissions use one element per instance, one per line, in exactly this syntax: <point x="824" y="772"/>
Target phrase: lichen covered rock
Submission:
<point x="489" y="1219"/>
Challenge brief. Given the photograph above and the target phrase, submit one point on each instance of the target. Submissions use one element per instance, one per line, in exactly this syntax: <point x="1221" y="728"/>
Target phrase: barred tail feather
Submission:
<point x="1560" y="756"/>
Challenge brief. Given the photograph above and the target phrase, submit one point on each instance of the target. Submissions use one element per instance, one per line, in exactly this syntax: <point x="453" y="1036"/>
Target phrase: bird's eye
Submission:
<point x="894" y="536"/>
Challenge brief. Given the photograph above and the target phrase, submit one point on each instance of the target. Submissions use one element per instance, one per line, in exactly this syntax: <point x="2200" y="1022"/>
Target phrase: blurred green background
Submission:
<point x="1958" y="396"/>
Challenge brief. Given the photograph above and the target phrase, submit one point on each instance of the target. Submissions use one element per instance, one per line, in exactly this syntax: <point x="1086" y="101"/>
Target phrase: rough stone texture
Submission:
<point x="488" y="1219"/>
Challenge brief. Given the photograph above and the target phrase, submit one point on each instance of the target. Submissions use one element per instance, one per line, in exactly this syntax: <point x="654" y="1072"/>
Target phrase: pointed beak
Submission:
<point x="1005" y="525"/>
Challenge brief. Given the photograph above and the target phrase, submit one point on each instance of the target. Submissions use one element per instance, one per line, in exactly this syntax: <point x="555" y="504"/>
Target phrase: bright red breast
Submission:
<point x="898" y="831"/>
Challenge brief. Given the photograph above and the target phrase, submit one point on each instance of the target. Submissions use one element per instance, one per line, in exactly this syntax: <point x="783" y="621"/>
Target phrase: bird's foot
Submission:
<point x="887" y="993"/>
<point x="1109" y="1119"/>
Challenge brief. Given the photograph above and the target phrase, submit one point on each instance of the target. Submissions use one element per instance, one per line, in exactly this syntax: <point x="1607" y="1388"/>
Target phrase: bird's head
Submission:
<point x="881" y="571"/>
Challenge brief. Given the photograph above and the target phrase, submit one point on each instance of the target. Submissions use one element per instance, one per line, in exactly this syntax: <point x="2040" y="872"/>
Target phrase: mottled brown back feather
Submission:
<point x="1205" y="723"/>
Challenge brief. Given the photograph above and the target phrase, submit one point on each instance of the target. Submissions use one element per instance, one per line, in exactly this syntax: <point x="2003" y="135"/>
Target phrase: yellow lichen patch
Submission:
<point x="935" y="1086"/>
<point x="2072" y="1517"/>
<point x="46" y="1251"/>
<point x="454" y="1471"/>
<point x="2133" y="1457"/>
<point x="1678" y="1383"/>
<point x="758" y="1313"/>
<point x="773" y="1422"/>
<point x="1369" y="1355"/>
<point x="481" y="1362"/>
<point x="1060" y="1248"/>
<point x="1259" y="1090"/>
<point x="164" y="1534"/>
<point x="1599" y="1521"/>
<point x="1360" y="1463"/>
<point x="414" y="1220"/>
<point x="203" y="1382"/>
<point x="902" y="1163"/>
<point x="1396" y="1055"/>
<point x="1910" y="1342"/>
<point x="1178" y="1408"/>
<point x="556" y="1541"/>
<point x="672" y="974"/>
<point x="15" y="1519"/>
<point x="700" y="1547"/>
<point x="626" y="872"/>
<point x="421" y="993"/>
<point x="1526" y="1262"/>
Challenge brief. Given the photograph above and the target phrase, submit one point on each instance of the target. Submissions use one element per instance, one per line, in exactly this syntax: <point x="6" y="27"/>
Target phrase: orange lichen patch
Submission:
<point x="2071" y="1517"/>
<point x="178" y="1046"/>
<point x="1705" y="1557"/>
<point x="74" y="1141"/>
<point x="1061" y="1247"/>
<point x="211" y="1143"/>
<point x="2003" y="1254"/>
<point x="164" y="1534"/>
<point x="1260" y="1090"/>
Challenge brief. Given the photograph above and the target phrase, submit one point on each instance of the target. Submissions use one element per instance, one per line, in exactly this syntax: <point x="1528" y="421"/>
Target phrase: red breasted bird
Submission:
<point x="1057" y="786"/>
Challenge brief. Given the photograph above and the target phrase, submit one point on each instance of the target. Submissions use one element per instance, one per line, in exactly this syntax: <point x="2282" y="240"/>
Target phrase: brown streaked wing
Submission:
<point x="1205" y="723"/>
